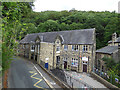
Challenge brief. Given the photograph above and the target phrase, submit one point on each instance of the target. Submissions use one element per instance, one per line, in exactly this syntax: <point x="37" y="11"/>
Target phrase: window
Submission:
<point x="64" y="59"/>
<point x="32" y="47"/>
<point x="102" y="68"/>
<point x="74" y="62"/>
<point x="57" y="59"/>
<point x="75" y="47"/>
<point x="58" y="48"/>
<point x="65" y="47"/>
<point x="57" y="41"/>
<point x="35" y="48"/>
<point x="85" y="48"/>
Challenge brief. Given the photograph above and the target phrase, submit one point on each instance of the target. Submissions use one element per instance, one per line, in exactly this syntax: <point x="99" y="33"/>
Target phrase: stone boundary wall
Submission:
<point x="63" y="85"/>
<point x="103" y="81"/>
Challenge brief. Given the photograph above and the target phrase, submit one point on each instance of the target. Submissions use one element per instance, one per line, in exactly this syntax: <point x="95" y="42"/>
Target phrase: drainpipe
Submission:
<point x="79" y="59"/>
<point x="53" y="55"/>
<point x="92" y="58"/>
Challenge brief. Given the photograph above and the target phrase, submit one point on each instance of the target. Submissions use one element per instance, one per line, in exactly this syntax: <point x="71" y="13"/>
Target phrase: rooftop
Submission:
<point x="83" y="36"/>
<point x="107" y="49"/>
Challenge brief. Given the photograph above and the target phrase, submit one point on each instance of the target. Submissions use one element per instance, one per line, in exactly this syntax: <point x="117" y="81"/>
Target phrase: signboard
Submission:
<point x="47" y="59"/>
<point x="84" y="59"/>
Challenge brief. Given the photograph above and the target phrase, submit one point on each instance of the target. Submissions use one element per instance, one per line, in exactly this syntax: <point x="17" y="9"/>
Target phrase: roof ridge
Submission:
<point x="62" y="31"/>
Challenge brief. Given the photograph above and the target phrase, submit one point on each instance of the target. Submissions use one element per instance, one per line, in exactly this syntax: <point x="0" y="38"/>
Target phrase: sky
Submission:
<point x="82" y="5"/>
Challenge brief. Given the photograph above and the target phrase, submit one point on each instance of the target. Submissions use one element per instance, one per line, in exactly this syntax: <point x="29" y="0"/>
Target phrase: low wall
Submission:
<point x="63" y="85"/>
<point x="103" y="81"/>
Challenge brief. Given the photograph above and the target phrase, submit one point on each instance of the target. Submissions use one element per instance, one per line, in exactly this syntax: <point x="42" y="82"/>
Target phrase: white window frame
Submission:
<point x="75" y="47"/>
<point x="85" y="48"/>
<point x="32" y="48"/>
<point x="65" y="47"/>
<point x="58" y="49"/>
<point x="74" y="62"/>
<point x="65" y="59"/>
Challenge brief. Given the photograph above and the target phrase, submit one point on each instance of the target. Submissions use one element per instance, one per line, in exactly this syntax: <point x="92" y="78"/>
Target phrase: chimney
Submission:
<point x="119" y="7"/>
<point x="41" y="37"/>
<point x="114" y="38"/>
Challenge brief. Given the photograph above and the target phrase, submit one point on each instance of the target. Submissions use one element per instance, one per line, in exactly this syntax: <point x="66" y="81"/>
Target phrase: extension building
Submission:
<point x="112" y="50"/>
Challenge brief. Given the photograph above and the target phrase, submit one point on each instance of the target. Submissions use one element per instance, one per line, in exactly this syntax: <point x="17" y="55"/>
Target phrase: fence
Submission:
<point x="71" y="81"/>
<point x="77" y="83"/>
<point x="104" y="75"/>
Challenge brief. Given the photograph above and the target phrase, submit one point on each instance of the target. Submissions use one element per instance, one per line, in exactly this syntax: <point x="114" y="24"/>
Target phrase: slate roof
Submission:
<point x="107" y="49"/>
<point x="83" y="36"/>
<point x="117" y="40"/>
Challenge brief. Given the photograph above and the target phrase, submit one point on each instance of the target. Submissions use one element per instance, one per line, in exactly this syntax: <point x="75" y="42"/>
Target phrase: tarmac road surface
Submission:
<point x="22" y="74"/>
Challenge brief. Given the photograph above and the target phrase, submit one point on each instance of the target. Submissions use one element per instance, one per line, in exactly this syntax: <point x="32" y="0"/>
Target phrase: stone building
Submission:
<point x="72" y="50"/>
<point x="112" y="50"/>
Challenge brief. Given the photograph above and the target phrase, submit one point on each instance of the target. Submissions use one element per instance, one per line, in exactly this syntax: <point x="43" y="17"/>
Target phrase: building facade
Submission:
<point x="71" y="50"/>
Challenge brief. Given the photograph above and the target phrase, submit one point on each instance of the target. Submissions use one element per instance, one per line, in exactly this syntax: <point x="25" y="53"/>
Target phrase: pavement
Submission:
<point x="79" y="80"/>
<point x="24" y="74"/>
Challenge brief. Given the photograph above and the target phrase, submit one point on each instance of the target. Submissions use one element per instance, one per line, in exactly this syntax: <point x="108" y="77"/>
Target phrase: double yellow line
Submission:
<point x="33" y="76"/>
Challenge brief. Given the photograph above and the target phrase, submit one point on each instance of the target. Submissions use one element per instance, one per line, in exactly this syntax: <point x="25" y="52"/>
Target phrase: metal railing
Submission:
<point x="105" y="76"/>
<point x="77" y="83"/>
<point x="70" y="80"/>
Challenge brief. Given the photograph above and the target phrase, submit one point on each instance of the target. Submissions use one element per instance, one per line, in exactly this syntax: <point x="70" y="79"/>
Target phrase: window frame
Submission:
<point x="74" y="62"/>
<point x="85" y="48"/>
<point x="75" y="47"/>
<point x="66" y="47"/>
<point x="57" y="48"/>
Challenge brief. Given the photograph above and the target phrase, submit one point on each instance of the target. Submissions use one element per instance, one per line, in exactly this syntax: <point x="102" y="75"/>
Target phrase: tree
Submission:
<point x="48" y="26"/>
<point x="12" y="12"/>
<point x="109" y="62"/>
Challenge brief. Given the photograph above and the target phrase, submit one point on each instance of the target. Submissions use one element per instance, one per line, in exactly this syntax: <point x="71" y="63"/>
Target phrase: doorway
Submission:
<point x="46" y="65"/>
<point x="35" y="57"/>
<point x="84" y="68"/>
<point x="57" y="60"/>
<point x="65" y="64"/>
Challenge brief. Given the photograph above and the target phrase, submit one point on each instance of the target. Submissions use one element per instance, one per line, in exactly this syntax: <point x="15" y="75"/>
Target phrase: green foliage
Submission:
<point x="114" y="73"/>
<point x="12" y="13"/>
<point x="109" y="62"/>
<point x="113" y="70"/>
<point x="105" y="23"/>
<point x="49" y="25"/>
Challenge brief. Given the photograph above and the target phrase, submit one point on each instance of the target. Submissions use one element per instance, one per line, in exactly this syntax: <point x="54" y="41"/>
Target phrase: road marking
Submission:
<point x="52" y="83"/>
<point x="37" y="83"/>
<point x="44" y="78"/>
<point x="49" y="84"/>
<point x="33" y="76"/>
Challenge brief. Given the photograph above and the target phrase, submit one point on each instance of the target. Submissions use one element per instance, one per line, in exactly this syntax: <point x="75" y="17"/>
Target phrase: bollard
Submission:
<point x="70" y="79"/>
<point x="72" y="84"/>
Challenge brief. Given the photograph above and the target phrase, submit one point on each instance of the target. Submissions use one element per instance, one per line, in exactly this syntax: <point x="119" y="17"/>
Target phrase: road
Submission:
<point x="23" y="74"/>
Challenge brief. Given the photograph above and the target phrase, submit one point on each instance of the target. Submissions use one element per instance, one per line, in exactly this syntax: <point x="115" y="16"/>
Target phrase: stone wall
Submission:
<point x="46" y="54"/>
<point x="69" y="54"/>
<point x="103" y="81"/>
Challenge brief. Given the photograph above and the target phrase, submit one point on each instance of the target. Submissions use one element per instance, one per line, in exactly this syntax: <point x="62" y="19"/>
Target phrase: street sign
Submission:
<point x="84" y="59"/>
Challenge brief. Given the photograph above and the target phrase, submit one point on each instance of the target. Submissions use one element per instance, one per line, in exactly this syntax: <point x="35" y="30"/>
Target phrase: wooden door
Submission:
<point x="84" y="68"/>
